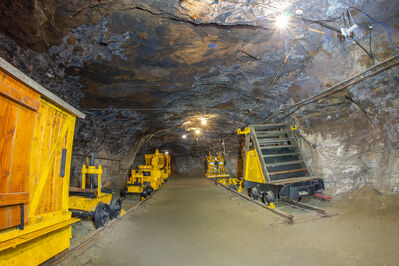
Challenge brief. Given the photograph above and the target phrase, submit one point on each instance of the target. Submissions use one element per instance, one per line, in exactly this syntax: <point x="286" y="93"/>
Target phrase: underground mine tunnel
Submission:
<point x="199" y="132"/>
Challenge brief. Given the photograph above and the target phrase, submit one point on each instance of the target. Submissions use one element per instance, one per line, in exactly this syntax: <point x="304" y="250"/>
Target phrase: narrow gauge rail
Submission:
<point x="289" y="218"/>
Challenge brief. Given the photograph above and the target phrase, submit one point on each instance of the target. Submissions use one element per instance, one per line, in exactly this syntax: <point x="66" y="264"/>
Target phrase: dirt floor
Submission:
<point x="190" y="221"/>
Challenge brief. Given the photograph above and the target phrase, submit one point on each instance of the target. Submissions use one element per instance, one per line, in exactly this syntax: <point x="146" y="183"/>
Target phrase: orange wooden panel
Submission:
<point x="7" y="199"/>
<point x="18" y="92"/>
<point x="16" y="129"/>
<point x="8" y="120"/>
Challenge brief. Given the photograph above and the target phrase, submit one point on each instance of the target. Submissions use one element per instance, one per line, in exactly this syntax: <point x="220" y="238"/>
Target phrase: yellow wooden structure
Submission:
<point x="36" y="137"/>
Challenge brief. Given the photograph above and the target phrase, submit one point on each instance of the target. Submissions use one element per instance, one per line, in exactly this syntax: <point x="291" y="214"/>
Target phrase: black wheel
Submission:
<point x="269" y="197"/>
<point x="254" y="193"/>
<point x="123" y="192"/>
<point x="101" y="214"/>
<point x="297" y="199"/>
<point x="115" y="208"/>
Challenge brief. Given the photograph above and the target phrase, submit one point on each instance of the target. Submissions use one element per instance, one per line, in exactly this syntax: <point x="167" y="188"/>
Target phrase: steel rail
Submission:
<point x="87" y="241"/>
<point x="305" y="206"/>
<point x="288" y="217"/>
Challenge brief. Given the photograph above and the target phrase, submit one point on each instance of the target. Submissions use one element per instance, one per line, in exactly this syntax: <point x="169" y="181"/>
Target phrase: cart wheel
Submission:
<point x="115" y="207"/>
<point x="101" y="214"/>
<point x="297" y="199"/>
<point x="123" y="192"/>
<point x="269" y="197"/>
<point x="254" y="193"/>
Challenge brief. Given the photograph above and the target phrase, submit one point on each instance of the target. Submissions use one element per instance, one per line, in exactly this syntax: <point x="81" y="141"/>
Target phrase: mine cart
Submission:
<point x="91" y="200"/>
<point x="36" y="137"/>
<point x="273" y="166"/>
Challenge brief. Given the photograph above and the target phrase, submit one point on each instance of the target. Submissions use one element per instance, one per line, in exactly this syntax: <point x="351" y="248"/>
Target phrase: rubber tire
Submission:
<point x="298" y="199"/>
<point x="115" y="208"/>
<point x="269" y="197"/>
<point x="101" y="214"/>
<point x="123" y="192"/>
<point x="253" y="192"/>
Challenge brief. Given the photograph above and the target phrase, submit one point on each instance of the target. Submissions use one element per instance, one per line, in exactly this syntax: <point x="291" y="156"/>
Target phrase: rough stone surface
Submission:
<point x="145" y="72"/>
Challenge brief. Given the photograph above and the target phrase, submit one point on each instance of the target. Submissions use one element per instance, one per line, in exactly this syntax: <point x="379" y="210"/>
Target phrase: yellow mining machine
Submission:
<point x="91" y="200"/>
<point x="273" y="166"/>
<point x="217" y="170"/>
<point x="211" y="166"/>
<point x="149" y="177"/>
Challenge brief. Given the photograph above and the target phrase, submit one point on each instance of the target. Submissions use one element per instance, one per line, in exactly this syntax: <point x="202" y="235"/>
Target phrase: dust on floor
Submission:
<point x="192" y="222"/>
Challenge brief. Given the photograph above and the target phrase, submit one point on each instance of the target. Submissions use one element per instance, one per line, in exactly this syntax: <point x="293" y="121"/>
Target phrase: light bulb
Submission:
<point x="197" y="131"/>
<point x="184" y="136"/>
<point x="282" y="21"/>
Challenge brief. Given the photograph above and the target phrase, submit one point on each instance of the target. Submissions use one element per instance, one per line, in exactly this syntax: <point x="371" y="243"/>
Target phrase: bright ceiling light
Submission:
<point x="203" y="121"/>
<point x="184" y="136"/>
<point x="166" y="152"/>
<point x="282" y="21"/>
<point x="197" y="131"/>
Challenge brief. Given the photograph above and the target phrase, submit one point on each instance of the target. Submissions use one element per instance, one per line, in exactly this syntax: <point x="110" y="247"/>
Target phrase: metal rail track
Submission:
<point x="87" y="240"/>
<point x="289" y="218"/>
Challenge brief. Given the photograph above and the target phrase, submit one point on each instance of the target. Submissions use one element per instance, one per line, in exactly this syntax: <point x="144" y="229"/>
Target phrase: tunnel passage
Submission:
<point x="146" y="73"/>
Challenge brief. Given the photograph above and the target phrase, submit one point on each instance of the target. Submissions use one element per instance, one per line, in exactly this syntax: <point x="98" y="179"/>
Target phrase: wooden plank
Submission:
<point x="21" y="153"/>
<point x="288" y="171"/>
<point x="21" y="94"/>
<point x="68" y="145"/>
<point x="293" y="180"/>
<point x="8" y="120"/>
<point x="284" y="163"/>
<point x="27" y="237"/>
<point x="278" y="147"/>
<point x="274" y="141"/>
<point x="47" y="168"/>
<point x="7" y="199"/>
<point x="279" y="155"/>
<point x="272" y="133"/>
<point x="259" y="152"/>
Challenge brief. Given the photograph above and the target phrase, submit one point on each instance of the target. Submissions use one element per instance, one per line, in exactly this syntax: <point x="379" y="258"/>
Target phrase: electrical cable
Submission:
<point x="382" y="23"/>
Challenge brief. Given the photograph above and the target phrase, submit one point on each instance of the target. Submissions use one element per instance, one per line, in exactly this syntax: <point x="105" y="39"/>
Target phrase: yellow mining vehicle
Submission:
<point x="96" y="203"/>
<point x="211" y="166"/>
<point x="149" y="177"/>
<point x="273" y="166"/>
<point x="217" y="170"/>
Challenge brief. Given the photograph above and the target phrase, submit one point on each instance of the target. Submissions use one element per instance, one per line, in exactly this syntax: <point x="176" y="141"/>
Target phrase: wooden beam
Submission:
<point x="9" y="199"/>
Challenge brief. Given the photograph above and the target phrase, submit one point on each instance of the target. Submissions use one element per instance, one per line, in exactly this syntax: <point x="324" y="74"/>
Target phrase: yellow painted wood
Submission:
<point x="46" y="171"/>
<point x="37" y="250"/>
<point x="45" y="129"/>
<point x="12" y="243"/>
<point x="253" y="169"/>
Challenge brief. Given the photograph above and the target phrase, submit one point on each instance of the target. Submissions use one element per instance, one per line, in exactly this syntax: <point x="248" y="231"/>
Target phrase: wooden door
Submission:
<point x="18" y="106"/>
